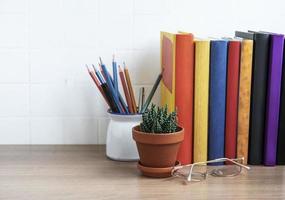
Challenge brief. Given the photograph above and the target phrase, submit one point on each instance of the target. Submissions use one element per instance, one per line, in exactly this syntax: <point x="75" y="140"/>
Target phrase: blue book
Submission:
<point x="217" y="101"/>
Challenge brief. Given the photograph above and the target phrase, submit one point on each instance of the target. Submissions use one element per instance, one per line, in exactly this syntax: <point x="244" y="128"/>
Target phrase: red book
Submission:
<point x="232" y="98"/>
<point x="184" y="84"/>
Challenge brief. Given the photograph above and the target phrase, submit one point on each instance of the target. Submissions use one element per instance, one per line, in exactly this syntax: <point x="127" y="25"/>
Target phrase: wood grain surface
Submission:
<point x="83" y="172"/>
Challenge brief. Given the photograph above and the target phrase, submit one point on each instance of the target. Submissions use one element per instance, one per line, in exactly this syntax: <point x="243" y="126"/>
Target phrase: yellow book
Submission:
<point x="244" y="98"/>
<point x="201" y="96"/>
<point x="167" y="41"/>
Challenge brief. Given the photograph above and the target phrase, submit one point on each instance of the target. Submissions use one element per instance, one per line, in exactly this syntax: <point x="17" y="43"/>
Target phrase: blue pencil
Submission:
<point x="100" y="77"/>
<point x="120" y="96"/>
<point x="115" y="75"/>
<point x="111" y="87"/>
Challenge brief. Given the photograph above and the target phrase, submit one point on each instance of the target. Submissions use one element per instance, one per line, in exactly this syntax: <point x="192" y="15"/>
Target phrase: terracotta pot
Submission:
<point x="156" y="172"/>
<point x="158" y="150"/>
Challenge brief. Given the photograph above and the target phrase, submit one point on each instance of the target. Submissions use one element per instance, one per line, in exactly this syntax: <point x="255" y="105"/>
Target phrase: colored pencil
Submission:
<point x="93" y="76"/>
<point x="140" y="100"/>
<point x="113" y="104"/>
<point x="115" y="77"/>
<point x="125" y="88"/>
<point x="130" y="89"/>
<point x="150" y="96"/>
<point x="111" y="89"/>
<point x="122" y="102"/>
<point x="99" y="76"/>
<point x="143" y="98"/>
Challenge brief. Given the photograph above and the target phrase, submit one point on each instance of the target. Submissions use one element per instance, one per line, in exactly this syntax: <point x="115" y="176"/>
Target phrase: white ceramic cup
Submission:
<point x="120" y="144"/>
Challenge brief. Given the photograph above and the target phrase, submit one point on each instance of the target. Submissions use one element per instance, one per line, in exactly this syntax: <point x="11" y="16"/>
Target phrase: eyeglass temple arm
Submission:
<point x="235" y="162"/>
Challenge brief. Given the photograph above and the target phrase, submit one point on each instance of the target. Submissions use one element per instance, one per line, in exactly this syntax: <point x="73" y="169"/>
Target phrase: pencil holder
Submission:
<point x="120" y="144"/>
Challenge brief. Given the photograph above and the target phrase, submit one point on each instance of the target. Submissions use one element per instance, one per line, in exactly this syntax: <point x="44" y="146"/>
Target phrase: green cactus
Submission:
<point x="157" y="120"/>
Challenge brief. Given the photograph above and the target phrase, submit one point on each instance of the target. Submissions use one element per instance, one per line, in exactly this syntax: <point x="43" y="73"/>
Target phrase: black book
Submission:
<point x="281" y="133"/>
<point x="258" y="94"/>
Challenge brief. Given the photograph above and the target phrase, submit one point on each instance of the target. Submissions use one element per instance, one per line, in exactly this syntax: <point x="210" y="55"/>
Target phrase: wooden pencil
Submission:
<point x="143" y="99"/>
<point x="140" y="100"/>
<point x="130" y="89"/>
<point x="125" y="88"/>
<point x="111" y="89"/>
<point x="93" y="76"/>
<point x="121" y="100"/>
<point x="150" y="96"/>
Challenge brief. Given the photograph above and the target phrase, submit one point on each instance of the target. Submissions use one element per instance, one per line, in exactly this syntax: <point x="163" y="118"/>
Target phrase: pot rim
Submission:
<point x="158" y="138"/>
<point x="180" y="129"/>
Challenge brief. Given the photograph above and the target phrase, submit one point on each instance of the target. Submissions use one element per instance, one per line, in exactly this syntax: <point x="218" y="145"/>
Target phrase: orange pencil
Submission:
<point x="93" y="76"/>
<point x="130" y="89"/>
<point x="125" y="87"/>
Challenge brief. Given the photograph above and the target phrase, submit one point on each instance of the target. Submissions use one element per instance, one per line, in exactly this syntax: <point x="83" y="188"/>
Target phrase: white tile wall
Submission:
<point x="14" y="130"/>
<point x="14" y="100"/>
<point x="46" y="95"/>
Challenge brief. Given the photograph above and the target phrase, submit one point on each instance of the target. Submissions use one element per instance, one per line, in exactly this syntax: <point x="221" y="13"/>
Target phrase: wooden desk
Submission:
<point x="83" y="172"/>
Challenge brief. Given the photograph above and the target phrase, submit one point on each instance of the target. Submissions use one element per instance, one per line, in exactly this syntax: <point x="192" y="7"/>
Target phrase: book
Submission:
<point x="281" y="132"/>
<point x="167" y="87"/>
<point x="258" y="94"/>
<point x="273" y="98"/>
<point x="184" y="90"/>
<point x="177" y="63"/>
<point x="218" y="76"/>
<point x="244" y="98"/>
<point x="201" y="102"/>
<point x="232" y="98"/>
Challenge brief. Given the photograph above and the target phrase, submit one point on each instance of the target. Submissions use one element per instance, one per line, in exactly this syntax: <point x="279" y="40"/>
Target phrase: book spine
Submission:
<point x="201" y="100"/>
<point x="273" y="99"/>
<point x="244" y="99"/>
<point x="184" y="70"/>
<point x="258" y="98"/>
<point x="218" y="75"/>
<point x="232" y="98"/>
<point x="281" y="132"/>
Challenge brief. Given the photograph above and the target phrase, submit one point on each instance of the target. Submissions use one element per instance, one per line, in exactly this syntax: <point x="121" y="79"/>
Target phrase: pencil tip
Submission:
<point x="100" y="60"/>
<point x="87" y="67"/>
<point x="94" y="67"/>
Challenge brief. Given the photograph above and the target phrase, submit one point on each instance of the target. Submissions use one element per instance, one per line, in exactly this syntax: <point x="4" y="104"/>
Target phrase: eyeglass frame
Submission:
<point x="189" y="178"/>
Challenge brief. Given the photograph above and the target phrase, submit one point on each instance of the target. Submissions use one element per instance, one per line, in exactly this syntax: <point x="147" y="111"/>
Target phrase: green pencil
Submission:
<point x="150" y="96"/>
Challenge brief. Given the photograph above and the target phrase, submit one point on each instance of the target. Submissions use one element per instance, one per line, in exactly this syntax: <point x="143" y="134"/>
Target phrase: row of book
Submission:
<point x="229" y="95"/>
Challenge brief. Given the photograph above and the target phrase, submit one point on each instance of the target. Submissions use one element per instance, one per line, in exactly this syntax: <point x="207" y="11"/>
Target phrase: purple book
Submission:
<point x="273" y="98"/>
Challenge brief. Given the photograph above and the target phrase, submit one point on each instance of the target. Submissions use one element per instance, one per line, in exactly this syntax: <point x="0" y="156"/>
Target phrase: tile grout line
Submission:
<point x="28" y="49"/>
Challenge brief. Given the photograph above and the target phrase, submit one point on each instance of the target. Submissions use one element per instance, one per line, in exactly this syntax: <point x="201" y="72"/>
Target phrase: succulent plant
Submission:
<point x="158" y="120"/>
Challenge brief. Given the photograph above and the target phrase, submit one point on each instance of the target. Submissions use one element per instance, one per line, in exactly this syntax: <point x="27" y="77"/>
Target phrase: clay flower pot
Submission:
<point x="157" y="152"/>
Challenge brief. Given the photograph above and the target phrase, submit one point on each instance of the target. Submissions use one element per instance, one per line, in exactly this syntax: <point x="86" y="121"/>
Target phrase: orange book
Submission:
<point x="184" y="92"/>
<point x="244" y="99"/>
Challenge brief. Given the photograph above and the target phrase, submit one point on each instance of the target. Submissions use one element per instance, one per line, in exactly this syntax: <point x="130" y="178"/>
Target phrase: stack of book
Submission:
<point x="229" y="94"/>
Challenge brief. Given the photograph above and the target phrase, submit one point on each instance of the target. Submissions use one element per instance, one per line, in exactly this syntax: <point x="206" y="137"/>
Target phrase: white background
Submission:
<point x="46" y="95"/>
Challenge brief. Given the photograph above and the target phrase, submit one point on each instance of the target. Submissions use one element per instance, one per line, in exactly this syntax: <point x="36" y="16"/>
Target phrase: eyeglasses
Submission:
<point x="200" y="170"/>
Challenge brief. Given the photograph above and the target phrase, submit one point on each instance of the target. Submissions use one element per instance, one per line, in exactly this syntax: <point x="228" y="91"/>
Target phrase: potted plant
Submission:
<point x="158" y="138"/>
